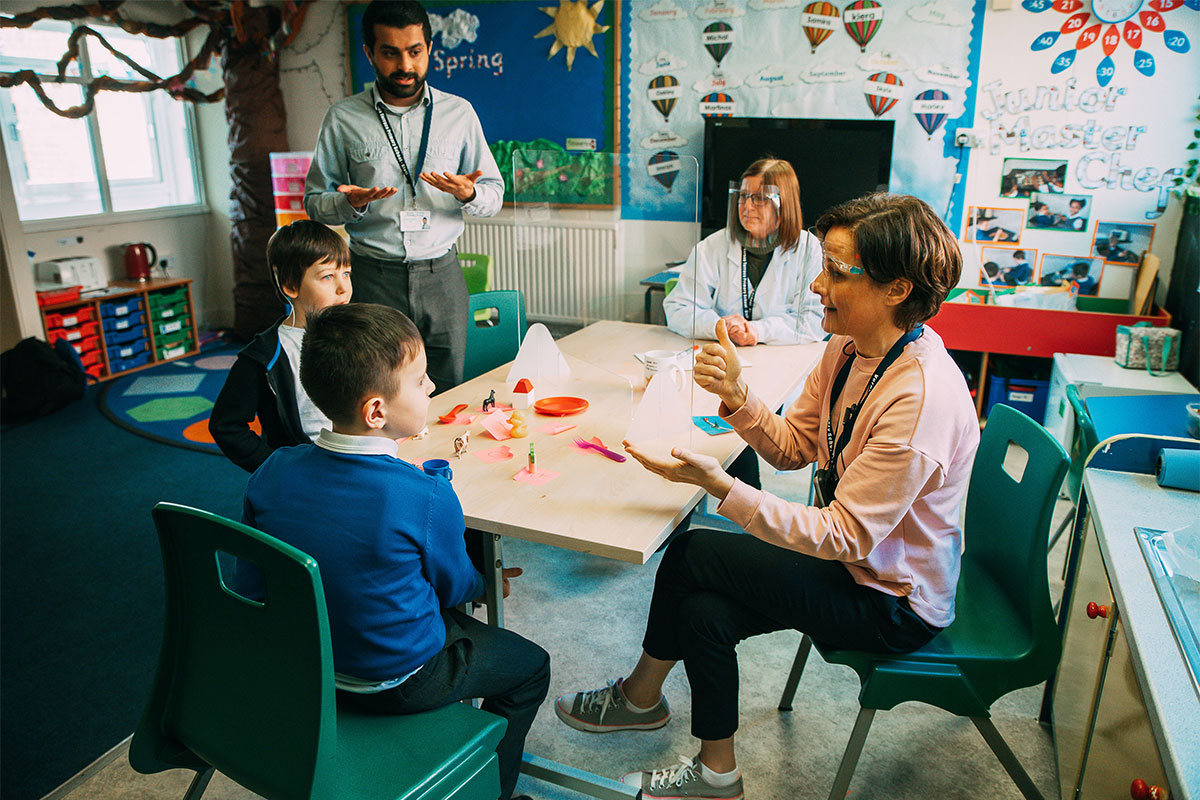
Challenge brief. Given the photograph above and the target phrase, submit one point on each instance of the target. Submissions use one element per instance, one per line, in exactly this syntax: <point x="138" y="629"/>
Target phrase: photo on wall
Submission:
<point x="1122" y="242"/>
<point x="1002" y="267"/>
<point x="1059" y="212"/>
<point x="986" y="224"/>
<point x="1082" y="273"/>
<point x="1025" y="177"/>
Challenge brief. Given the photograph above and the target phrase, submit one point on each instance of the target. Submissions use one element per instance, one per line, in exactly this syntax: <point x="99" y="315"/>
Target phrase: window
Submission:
<point x="135" y="151"/>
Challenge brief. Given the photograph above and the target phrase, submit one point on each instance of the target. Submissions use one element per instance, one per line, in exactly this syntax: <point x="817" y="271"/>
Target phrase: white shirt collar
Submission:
<point x="357" y="445"/>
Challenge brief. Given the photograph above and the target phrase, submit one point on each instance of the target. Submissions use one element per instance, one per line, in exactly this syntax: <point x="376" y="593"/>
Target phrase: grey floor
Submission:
<point x="588" y="612"/>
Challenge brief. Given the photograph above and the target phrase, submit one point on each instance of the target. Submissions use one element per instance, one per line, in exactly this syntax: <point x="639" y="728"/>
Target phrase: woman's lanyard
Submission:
<point x="851" y="413"/>
<point x="748" y="291"/>
<point x="391" y="137"/>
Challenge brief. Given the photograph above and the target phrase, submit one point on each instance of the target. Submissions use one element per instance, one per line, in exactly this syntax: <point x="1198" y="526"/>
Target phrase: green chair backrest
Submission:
<point x="1008" y="522"/>
<point x="477" y="271"/>
<point x="243" y="686"/>
<point x="489" y="346"/>
<point x="1083" y="442"/>
<point x="669" y="285"/>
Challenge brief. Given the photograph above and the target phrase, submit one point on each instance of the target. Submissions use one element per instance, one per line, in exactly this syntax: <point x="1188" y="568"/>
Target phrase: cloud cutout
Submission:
<point x="662" y="11"/>
<point x="456" y="27"/>
<point x="720" y="11"/>
<point x="827" y="73"/>
<point x="940" y="12"/>
<point x="664" y="139"/>
<point x="771" y="76"/>
<point x="771" y="5"/>
<point x="944" y="74"/>
<point x="662" y="63"/>
<point x="881" y="60"/>
<point x="716" y="83"/>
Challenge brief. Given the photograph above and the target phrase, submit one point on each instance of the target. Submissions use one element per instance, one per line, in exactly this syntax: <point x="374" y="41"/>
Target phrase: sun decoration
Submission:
<point x="573" y="27"/>
<point x="1090" y="24"/>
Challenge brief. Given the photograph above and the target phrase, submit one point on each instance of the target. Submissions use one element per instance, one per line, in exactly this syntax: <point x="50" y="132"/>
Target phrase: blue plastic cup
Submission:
<point x="438" y="467"/>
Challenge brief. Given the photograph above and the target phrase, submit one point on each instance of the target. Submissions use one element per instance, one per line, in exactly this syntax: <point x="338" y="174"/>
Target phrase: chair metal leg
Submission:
<point x="1009" y="761"/>
<point x="793" y="680"/>
<point x="199" y="784"/>
<point x="1061" y="529"/>
<point x="858" y="737"/>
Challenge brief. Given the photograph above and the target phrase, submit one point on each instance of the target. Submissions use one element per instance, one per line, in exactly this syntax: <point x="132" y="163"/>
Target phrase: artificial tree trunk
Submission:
<point x="257" y="122"/>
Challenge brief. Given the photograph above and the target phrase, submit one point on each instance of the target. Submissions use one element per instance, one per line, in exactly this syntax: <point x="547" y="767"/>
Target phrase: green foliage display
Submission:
<point x="542" y="171"/>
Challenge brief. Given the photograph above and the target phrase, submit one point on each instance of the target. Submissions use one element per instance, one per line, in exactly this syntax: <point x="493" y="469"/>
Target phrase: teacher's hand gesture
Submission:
<point x="684" y="466"/>
<point x="360" y="196"/>
<point x="719" y="371"/>
<point x="461" y="186"/>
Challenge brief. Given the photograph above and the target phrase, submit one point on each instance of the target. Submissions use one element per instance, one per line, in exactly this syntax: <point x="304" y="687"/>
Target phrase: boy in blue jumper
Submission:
<point x="311" y="267"/>
<point x="388" y="538"/>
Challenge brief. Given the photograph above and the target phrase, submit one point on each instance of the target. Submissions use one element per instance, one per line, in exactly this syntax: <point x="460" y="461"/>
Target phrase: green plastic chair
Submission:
<point x="246" y="687"/>
<point x="489" y="346"/>
<point x="1083" y="442"/>
<point x="477" y="272"/>
<point x="1004" y="635"/>
<point x="669" y="285"/>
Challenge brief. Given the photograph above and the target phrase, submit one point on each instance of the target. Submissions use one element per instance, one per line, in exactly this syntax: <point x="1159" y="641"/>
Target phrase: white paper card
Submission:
<point x="664" y="412"/>
<point x="539" y="360"/>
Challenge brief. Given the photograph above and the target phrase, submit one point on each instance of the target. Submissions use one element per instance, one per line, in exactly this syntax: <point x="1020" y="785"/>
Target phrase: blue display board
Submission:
<point x="487" y="53"/>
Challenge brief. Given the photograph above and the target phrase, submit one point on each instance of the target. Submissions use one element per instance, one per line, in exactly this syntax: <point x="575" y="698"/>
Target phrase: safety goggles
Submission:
<point x="831" y="263"/>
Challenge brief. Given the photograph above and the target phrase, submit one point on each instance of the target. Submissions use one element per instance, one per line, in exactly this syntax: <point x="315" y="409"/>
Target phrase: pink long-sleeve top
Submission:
<point x="903" y="474"/>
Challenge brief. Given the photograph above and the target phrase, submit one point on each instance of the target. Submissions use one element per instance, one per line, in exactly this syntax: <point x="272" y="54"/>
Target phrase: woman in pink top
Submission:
<point x="889" y="421"/>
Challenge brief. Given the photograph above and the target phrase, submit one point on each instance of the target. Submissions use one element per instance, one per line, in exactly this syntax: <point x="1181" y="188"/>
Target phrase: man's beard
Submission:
<point x="389" y="84"/>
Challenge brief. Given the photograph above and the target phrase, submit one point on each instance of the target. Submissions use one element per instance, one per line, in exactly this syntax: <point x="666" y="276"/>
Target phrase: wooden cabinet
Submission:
<point x="131" y="326"/>
<point x="1102" y="733"/>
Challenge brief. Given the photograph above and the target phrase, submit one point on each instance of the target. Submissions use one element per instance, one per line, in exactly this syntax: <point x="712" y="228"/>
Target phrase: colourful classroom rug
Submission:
<point x="171" y="403"/>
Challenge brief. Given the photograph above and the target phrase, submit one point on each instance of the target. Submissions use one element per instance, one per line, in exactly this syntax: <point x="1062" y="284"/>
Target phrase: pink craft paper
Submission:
<point x="501" y="453"/>
<point x="542" y="476"/>
<point x="555" y="428"/>
<point x="497" y="425"/>
<point x="499" y="407"/>
<point x="464" y="419"/>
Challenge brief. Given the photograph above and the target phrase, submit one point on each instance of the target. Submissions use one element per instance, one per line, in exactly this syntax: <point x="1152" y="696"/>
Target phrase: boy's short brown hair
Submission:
<point x="294" y="248"/>
<point x="900" y="236"/>
<point x="352" y="352"/>
<point x="778" y="173"/>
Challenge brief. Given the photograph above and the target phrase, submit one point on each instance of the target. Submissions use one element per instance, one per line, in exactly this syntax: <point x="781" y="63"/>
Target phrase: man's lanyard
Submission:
<point x="852" y="412"/>
<point x="391" y="137"/>
<point x="748" y="291"/>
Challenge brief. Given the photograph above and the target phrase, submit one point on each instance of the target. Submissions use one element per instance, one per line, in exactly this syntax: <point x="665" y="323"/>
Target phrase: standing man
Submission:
<point x="398" y="164"/>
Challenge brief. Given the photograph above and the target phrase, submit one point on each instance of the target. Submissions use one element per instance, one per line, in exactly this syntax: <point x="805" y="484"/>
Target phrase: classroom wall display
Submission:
<point x="985" y="224"/>
<point x="1007" y="266"/>
<point x="1108" y="87"/>
<point x="1122" y="242"/>
<point x="506" y="56"/>
<point x="1059" y="212"/>
<point x="906" y="60"/>
<point x="1021" y="177"/>
<point x="1082" y="273"/>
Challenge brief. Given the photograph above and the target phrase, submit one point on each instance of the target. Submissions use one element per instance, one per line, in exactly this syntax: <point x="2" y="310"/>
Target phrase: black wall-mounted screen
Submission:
<point x="834" y="159"/>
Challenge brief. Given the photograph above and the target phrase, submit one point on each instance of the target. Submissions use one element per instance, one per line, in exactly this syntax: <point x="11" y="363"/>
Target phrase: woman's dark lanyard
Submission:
<point x="391" y="137"/>
<point x="851" y="413"/>
<point x="748" y="291"/>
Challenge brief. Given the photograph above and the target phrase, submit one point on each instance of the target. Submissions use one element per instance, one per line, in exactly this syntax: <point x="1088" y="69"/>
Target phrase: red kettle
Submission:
<point x="139" y="258"/>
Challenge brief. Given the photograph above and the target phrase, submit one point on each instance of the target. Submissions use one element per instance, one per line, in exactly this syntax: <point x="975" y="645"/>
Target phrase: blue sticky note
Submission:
<point x="712" y="425"/>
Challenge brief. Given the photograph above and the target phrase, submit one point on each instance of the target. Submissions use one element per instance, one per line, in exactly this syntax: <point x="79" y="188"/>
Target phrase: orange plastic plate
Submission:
<point x="560" y="406"/>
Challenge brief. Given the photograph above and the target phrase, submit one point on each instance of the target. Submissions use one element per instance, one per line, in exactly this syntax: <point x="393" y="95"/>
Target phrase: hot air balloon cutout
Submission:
<point x="931" y="107"/>
<point x="663" y="166"/>
<point x="664" y="92"/>
<point x="818" y="21"/>
<point x="1110" y="21"/>
<point x="717" y="104"/>
<point x="862" y="19"/>
<point x="882" y="90"/>
<point x="717" y="38"/>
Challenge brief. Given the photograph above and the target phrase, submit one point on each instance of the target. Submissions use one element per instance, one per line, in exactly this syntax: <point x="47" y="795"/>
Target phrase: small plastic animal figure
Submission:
<point x="489" y="402"/>
<point x="421" y="434"/>
<point x="519" y="427"/>
<point x="460" y="444"/>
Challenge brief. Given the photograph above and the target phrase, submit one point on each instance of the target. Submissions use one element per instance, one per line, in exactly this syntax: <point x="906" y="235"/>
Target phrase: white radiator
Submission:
<point x="569" y="271"/>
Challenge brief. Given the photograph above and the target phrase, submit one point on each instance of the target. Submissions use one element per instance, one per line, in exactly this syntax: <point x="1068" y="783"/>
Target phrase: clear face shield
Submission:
<point x="753" y="215"/>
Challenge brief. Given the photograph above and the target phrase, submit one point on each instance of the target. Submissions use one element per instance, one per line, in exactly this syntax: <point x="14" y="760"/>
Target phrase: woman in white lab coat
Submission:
<point x="755" y="272"/>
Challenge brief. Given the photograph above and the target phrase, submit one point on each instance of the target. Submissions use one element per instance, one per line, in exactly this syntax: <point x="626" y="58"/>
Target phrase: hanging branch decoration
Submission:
<point x="218" y="19"/>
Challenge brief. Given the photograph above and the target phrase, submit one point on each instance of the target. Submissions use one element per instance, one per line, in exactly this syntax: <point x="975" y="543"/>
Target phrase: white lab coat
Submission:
<point x="710" y="282"/>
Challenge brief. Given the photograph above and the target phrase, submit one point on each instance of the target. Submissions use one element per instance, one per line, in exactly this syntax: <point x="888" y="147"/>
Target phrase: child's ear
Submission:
<point x="291" y="294"/>
<point x="374" y="412"/>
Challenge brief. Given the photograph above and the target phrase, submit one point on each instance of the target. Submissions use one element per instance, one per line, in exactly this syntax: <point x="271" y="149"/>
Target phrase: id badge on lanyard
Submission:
<point x="412" y="219"/>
